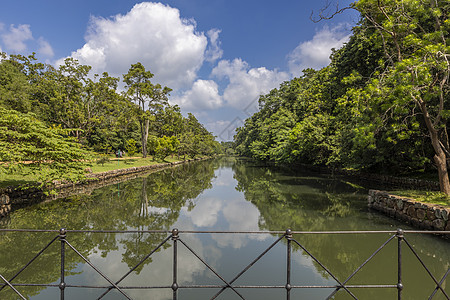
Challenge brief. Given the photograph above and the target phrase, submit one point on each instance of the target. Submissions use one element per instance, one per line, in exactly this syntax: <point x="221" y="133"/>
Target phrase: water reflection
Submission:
<point x="217" y="195"/>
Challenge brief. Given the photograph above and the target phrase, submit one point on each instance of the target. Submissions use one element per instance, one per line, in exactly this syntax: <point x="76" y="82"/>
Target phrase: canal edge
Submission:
<point x="13" y="197"/>
<point x="419" y="215"/>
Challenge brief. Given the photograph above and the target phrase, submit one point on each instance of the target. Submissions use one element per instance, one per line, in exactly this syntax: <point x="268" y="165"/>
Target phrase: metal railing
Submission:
<point x="175" y="237"/>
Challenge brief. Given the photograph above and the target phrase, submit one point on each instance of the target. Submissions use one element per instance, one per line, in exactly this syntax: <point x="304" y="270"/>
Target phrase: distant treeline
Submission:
<point x="93" y="110"/>
<point x="55" y="117"/>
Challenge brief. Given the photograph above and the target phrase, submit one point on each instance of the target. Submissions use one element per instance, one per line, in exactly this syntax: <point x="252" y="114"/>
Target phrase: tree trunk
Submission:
<point x="441" y="163"/>
<point x="145" y="124"/>
<point x="439" y="158"/>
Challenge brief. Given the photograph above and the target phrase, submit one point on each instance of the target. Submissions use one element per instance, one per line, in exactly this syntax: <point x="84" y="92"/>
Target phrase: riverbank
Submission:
<point x="418" y="214"/>
<point x="14" y="197"/>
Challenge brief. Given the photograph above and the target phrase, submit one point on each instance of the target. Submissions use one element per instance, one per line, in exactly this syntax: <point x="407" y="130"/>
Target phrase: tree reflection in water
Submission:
<point x="148" y="203"/>
<point x="222" y="194"/>
<point x="306" y="201"/>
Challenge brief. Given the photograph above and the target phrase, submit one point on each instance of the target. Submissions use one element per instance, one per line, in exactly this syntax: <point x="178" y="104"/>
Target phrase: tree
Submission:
<point x="131" y="147"/>
<point x="381" y="105"/>
<point x="148" y="96"/>
<point x="414" y="36"/>
<point x="24" y="140"/>
<point x="166" y="146"/>
<point x="14" y="86"/>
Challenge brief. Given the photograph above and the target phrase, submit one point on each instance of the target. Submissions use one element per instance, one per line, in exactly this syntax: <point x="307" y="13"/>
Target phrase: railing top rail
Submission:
<point x="230" y="232"/>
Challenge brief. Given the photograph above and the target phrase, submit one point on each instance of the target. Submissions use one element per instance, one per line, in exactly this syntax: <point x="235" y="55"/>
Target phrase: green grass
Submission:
<point x="424" y="196"/>
<point x="26" y="178"/>
<point x="125" y="163"/>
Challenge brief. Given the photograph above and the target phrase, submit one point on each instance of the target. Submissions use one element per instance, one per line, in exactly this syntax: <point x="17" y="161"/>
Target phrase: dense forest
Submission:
<point x="381" y="105"/>
<point x="56" y="118"/>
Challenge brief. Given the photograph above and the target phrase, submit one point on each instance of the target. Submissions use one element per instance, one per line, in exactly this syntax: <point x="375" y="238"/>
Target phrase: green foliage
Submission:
<point x="131" y="147"/>
<point x="166" y="146"/>
<point x="24" y="140"/>
<point x="381" y="104"/>
<point x="69" y="103"/>
<point x="14" y="87"/>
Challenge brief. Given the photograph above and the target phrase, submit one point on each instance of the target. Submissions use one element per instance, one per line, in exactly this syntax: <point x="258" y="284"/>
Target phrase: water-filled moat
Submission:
<point x="218" y="195"/>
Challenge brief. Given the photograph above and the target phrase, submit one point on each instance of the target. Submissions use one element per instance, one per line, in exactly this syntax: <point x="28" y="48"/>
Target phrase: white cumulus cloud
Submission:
<point x="316" y="52"/>
<point x="204" y="95"/>
<point x="151" y="33"/>
<point x="45" y="48"/>
<point x="246" y="84"/>
<point x="14" y="39"/>
<point x="214" y="52"/>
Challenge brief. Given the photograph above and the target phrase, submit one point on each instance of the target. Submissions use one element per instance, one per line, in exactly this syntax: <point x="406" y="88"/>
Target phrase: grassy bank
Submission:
<point x="424" y="196"/>
<point x="126" y="162"/>
<point x="109" y="163"/>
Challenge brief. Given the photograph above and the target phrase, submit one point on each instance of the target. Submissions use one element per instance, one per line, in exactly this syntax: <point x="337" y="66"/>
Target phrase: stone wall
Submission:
<point x="419" y="215"/>
<point x="5" y="205"/>
<point x="12" y="198"/>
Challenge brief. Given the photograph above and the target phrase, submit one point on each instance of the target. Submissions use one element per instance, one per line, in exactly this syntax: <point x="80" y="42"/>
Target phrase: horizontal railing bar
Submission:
<point x="292" y="286"/>
<point x="209" y="286"/>
<point x="231" y="232"/>
<point x="32" y="284"/>
<point x="227" y="232"/>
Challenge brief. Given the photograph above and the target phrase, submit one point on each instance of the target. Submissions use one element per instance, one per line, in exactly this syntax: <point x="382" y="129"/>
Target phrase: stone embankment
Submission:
<point x="417" y="214"/>
<point x="12" y="198"/>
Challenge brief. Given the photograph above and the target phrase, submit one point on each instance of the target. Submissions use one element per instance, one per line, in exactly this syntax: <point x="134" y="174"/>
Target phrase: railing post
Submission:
<point x="175" y="284"/>
<point x="288" y="236"/>
<point x="62" y="238"/>
<point x="399" y="263"/>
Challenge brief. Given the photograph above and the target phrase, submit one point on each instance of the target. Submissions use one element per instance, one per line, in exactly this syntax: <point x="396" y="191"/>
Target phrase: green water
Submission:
<point x="219" y="195"/>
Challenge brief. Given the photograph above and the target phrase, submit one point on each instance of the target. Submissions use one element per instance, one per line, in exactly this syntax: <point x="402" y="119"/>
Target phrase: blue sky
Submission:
<point x="218" y="56"/>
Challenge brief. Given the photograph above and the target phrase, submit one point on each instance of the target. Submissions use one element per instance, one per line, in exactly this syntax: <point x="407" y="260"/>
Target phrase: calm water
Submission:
<point x="218" y="195"/>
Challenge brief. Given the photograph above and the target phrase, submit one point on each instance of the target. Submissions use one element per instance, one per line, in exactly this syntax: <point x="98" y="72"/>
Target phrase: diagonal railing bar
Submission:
<point x="250" y="265"/>
<point x="325" y="268"/>
<point x="136" y="266"/>
<point x="438" y="285"/>
<point x="97" y="270"/>
<point x="361" y="266"/>
<point x="12" y="287"/>
<point x="235" y="287"/>
<point x="228" y="285"/>
<point x="440" y="282"/>
<point x="31" y="261"/>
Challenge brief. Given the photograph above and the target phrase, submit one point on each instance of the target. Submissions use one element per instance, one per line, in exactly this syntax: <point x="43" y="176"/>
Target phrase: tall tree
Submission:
<point x="14" y="86"/>
<point x="148" y="96"/>
<point x="415" y="35"/>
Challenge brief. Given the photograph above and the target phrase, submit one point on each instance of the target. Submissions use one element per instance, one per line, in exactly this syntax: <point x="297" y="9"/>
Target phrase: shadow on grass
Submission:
<point x="130" y="161"/>
<point x="18" y="183"/>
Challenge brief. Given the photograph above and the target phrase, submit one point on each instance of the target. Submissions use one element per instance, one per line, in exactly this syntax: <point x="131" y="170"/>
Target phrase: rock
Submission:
<point x="400" y="204"/>
<point x="431" y="215"/>
<point x="415" y="222"/>
<point x="420" y="214"/>
<point x="438" y="224"/>
<point x="427" y="224"/>
<point x="447" y="228"/>
<point x="411" y="212"/>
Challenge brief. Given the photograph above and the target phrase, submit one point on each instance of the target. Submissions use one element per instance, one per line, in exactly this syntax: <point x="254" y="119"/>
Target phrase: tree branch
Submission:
<point x="324" y="15"/>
